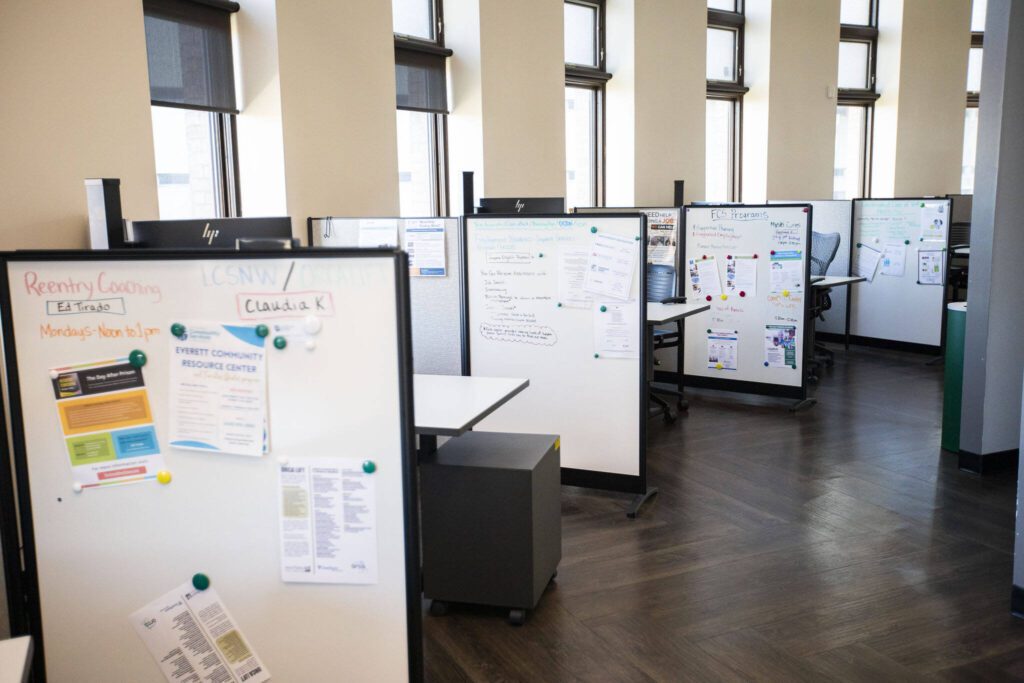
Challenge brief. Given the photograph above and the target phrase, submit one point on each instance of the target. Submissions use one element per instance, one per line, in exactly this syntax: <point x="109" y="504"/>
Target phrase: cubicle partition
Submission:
<point x="435" y="279"/>
<point x="900" y="246"/>
<point x="180" y="471"/>
<point x="560" y="300"/>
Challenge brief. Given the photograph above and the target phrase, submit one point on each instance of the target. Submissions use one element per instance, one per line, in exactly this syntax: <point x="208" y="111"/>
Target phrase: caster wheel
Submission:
<point x="669" y="418"/>
<point x="684" y="405"/>
<point x="438" y="608"/>
<point x="517" y="617"/>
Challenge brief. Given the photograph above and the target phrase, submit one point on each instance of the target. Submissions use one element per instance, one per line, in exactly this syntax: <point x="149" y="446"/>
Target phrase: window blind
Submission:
<point x="188" y="43"/>
<point x="420" y="79"/>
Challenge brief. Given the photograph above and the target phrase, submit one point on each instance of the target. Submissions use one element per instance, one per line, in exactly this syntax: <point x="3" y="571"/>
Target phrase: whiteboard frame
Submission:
<point x="857" y="292"/>
<point x="456" y="238"/>
<point x="26" y="611"/>
<point x="746" y="386"/>
<point x="593" y="479"/>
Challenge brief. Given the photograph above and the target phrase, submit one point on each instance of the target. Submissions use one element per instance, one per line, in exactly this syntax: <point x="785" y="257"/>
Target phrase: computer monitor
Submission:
<point x="522" y="205"/>
<point x="207" y="233"/>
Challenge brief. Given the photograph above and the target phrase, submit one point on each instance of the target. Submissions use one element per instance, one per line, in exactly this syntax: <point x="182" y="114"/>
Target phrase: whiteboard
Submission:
<point x="597" y="405"/>
<point x="833" y="215"/>
<point x="435" y="302"/>
<point x="773" y="238"/>
<point x="101" y="554"/>
<point x="891" y="308"/>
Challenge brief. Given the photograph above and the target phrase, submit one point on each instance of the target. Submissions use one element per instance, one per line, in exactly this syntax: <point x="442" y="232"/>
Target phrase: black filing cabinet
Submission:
<point x="491" y="520"/>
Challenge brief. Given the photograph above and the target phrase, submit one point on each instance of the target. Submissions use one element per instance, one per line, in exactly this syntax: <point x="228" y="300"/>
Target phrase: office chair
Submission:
<point x="661" y="288"/>
<point x="823" y="251"/>
<point x="958" y="269"/>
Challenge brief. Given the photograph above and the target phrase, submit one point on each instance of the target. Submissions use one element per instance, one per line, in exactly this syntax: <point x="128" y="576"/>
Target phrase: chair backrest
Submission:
<point x="661" y="282"/>
<point x="824" y="246"/>
<point x="959" y="233"/>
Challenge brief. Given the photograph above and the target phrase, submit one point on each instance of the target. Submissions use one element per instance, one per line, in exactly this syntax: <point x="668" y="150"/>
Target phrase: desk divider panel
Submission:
<point x="894" y="308"/>
<point x="339" y="389"/>
<point x="752" y="263"/>
<point x="435" y="299"/>
<point x="531" y="313"/>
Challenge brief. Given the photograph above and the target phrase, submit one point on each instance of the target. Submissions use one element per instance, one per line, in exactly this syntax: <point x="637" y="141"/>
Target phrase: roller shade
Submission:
<point x="420" y="79"/>
<point x="188" y="44"/>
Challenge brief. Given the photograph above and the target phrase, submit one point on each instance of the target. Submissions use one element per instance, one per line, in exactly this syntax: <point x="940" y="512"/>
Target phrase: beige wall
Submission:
<point x="337" y="70"/>
<point x="790" y="111"/>
<point x="522" y="63"/>
<point x="74" y="104"/>
<point x="922" y="77"/>
<point x="465" y="99"/>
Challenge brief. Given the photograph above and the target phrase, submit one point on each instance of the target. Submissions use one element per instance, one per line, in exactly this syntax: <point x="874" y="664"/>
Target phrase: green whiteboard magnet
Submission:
<point x="593" y="228"/>
<point x="906" y="241"/>
<point x="178" y="330"/>
<point x="200" y="582"/>
<point x="597" y="355"/>
<point x="280" y="342"/>
<point x="922" y="205"/>
<point x="638" y="238"/>
<point x="604" y="309"/>
<point x="540" y="255"/>
<point x="559" y="304"/>
<point x="859" y="245"/>
<point x="262" y="330"/>
<point x="137" y="358"/>
<point x="369" y="466"/>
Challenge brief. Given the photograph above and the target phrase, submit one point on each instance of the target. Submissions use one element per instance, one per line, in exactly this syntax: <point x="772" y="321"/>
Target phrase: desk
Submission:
<point x="661" y="314"/>
<point x="15" y="657"/>
<point x="830" y="281"/>
<point x="450" y="405"/>
<point x="821" y="287"/>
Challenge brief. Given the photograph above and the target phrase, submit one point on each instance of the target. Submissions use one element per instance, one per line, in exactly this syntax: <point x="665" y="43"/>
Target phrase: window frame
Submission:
<point x="863" y="97"/>
<point x="437" y="16"/>
<point x="867" y="151"/>
<point x="594" y="78"/>
<point x="732" y="91"/>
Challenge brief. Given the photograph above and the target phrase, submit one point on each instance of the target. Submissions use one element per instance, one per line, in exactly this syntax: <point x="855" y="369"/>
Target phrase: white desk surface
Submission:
<point x="658" y="314"/>
<point x="962" y="251"/>
<point x="449" y="405"/>
<point x="15" y="655"/>
<point x="838" y="280"/>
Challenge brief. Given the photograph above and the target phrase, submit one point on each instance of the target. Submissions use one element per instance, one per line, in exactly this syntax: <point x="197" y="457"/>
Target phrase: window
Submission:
<point x="422" y="101"/>
<point x="192" y="90"/>
<point x="725" y="92"/>
<point x="974" y="58"/>
<point x="858" y="44"/>
<point x="584" y="103"/>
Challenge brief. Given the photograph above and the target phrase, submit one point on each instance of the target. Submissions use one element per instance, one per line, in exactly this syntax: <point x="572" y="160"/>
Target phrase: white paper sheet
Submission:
<point x="218" y="389"/>
<point x="865" y="262"/>
<point x="424" y="242"/>
<point x="930" y="266"/>
<point x="741" y="275"/>
<point x="378" y="232"/>
<point x="328" y="513"/>
<point x="193" y="638"/>
<point x="894" y="259"/>
<point x="704" y="278"/>
<point x="616" y="333"/>
<point x="787" y="272"/>
<point x="780" y="346"/>
<point x="662" y="235"/>
<point x="612" y="266"/>
<point x="723" y="349"/>
<point x="934" y="222"/>
<point x="572" y="276"/>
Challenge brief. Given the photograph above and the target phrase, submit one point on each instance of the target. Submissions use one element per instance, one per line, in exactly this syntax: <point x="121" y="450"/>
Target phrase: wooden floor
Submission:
<point x="834" y="544"/>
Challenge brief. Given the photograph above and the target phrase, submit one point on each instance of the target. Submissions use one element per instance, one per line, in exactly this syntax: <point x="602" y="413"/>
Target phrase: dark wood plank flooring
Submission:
<point x="838" y="543"/>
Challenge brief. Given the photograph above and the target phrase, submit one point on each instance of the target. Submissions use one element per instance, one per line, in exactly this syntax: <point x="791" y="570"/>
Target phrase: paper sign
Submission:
<point x="661" y="237"/>
<point x="787" y="272"/>
<point x="328" y="513"/>
<point x="107" y="423"/>
<point x="723" y="349"/>
<point x="866" y="262"/>
<point x="741" y="275"/>
<point x="930" y="266"/>
<point x="424" y="241"/>
<point x="193" y="637"/>
<point x="218" y="389"/>
<point x="704" y="279"/>
<point x="572" y="276"/>
<point x="894" y="257"/>
<point x="934" y="222"/>
<point x="616" y="330"/>
<point x="611" y="266"/>
<point x="780" y="346"/>
<point x="378" y="232"/>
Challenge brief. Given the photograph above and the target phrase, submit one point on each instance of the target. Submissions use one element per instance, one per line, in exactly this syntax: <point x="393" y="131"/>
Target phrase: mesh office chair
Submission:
<point x="823" y="251"/>
<point x="661" y="288"/>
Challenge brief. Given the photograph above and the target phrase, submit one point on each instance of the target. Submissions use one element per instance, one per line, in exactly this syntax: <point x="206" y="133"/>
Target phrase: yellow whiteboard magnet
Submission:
<point x="724" y="297"/>
<point x="718" y="366"/>
<point x="163" y="476"/>
<point x="785" y="292"/>
<point x="558" y="443"/>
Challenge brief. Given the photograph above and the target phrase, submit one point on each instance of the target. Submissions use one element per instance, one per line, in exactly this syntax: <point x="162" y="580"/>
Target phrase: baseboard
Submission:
<point x="894" y="345"/>
<point x="1017" y="602"/>
<point x="987" y="463"/>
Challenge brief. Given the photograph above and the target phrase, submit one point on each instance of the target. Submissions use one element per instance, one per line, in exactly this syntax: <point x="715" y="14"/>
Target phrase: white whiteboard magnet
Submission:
<point x="310" y="344"/>
<point x="54" y="374"/>
<point x="312" y="324"/>
<point x="282" y="460"/>
<point x="76" y="487"/>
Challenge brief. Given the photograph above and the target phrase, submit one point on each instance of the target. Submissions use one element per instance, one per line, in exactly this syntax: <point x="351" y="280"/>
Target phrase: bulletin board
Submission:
<point x="752" y="263"/>
<point x="435" y="297"/>
<point x="531" y="314"/>
<point x="339" y="389"/>
<point x="833" y="215"/>
<point x="893" y="307"/>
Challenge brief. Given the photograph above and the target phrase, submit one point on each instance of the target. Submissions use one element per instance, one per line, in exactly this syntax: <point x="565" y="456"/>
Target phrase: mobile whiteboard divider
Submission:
<point x="768" y="234"/>
<point x="515" y="327"/>
<point x="217" y="516"/>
